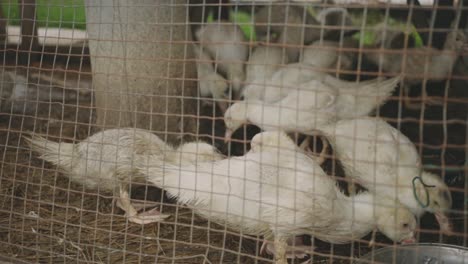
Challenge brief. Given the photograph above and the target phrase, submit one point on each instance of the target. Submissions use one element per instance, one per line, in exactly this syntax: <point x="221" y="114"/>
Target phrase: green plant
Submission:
<point x="50" y="13"/>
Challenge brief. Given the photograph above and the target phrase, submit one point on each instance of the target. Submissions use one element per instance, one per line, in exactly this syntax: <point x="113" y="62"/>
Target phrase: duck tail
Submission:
<point x="60" y="154"/>
<point x="360" y="100"/>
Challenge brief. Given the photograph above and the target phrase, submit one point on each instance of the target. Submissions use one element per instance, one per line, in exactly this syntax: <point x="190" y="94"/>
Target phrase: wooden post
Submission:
<point x="29" y="42"/>
<point x="139" y="55"/>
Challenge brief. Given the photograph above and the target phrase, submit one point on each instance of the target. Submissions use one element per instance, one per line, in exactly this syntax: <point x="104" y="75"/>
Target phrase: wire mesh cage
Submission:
<point x="217" y="131"/>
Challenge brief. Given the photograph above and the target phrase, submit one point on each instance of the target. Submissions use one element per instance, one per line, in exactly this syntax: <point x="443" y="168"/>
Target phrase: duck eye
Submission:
<point x="405" y="225"/>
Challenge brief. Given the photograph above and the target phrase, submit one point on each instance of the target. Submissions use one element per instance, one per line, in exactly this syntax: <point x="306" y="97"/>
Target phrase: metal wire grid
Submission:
<point x="48" y="218"/>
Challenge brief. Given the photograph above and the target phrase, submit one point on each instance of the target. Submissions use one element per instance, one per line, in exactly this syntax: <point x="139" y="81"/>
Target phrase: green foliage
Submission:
<point x="71" y="14"/>
<point x="244" y="20"/>
<point x="367" y="36"/>
<point x="50" y="13"/>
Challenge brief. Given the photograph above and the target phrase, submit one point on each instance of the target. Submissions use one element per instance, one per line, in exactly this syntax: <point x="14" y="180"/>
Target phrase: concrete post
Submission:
<point x="138" y="55"/>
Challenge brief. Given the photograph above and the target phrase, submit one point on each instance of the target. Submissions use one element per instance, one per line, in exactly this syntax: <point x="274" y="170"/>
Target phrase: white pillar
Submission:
<point x="138" y="58"/>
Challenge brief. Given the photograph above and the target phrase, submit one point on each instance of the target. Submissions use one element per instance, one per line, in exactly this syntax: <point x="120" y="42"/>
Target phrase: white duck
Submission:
<point x="226" y="44"/>
<point x="262" y="65"/>
<point x="326" y="56"/>
<point x="281" y="144"/>
<point x="289" y="77"/>
<point x="210" y="83"/>
<point x="418" y="64"/>
<point x="93" y="161"/>
<point x="386" y="162"/>
<point x="277" y="195"/>
<point x="309" y="103"/>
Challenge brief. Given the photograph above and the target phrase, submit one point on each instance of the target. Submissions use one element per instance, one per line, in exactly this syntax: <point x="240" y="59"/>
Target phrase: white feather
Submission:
<point x="211" y="84"/>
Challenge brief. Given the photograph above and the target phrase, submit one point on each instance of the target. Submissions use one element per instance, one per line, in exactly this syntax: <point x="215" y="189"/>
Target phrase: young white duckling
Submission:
<point x="277" y="196"/>
<point x="226" y="44"/>
<point x="398" y="225"/>
<point x="210" y="83"/>
<point x="289" y="77"/>
<point x="262" y="65"/>
<point x="383" y="160"/>
<point x="418" y="64"/>
<point x="440" y="62"/>
<point x="93" y="162"/>
<point x="300" y="103"/>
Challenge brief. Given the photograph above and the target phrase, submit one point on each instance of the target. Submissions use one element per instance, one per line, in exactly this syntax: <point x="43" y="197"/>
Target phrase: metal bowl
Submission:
<point x="423" y="253"/>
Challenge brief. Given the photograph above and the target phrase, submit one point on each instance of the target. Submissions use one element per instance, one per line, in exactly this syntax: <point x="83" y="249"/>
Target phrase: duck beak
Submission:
<point x="444" y="223"/>
<point x="227" y="135"/>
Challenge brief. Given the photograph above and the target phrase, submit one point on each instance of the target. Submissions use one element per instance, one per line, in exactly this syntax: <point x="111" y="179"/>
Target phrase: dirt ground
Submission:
<point x="46" y="218"/>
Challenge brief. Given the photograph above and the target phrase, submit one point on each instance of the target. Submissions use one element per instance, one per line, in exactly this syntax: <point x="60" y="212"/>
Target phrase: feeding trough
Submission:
<point x="424" y="253"/>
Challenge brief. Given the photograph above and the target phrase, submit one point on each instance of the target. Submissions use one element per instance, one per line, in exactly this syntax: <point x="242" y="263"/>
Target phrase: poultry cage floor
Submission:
<point x="46" y="218"/>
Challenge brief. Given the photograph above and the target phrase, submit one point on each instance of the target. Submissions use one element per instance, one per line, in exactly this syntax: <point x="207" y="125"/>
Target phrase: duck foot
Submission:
<point x="147" y="217"/>
<point x="294" y="249"/>
<point x="138" y="205"/>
